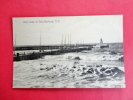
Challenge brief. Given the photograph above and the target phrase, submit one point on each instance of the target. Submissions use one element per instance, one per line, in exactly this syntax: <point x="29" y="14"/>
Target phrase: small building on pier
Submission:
<point x="101" y="45"/>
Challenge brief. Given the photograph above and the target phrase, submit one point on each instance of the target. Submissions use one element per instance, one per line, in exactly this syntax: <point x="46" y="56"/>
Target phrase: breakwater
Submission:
<point x="36" y="55"/>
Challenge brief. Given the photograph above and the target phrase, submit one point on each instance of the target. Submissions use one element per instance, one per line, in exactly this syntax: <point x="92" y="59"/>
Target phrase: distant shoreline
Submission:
<point x="67" y="44"/>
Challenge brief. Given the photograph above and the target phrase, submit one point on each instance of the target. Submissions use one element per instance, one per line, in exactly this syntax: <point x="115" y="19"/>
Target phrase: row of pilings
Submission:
<point x="36" y="55"/>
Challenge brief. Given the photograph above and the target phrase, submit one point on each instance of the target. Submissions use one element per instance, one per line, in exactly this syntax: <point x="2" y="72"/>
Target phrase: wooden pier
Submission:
<point x="53" y="50"/>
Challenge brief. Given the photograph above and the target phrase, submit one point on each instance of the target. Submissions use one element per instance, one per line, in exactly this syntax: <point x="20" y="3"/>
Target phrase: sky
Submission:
<point x="83" y="29"/>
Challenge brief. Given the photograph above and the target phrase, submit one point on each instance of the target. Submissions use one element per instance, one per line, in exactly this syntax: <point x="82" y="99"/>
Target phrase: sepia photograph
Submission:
<point x="68" y="52"/>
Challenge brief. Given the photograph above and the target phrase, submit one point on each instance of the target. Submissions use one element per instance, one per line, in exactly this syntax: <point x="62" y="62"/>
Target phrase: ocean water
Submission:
<point x="66" y="70"/>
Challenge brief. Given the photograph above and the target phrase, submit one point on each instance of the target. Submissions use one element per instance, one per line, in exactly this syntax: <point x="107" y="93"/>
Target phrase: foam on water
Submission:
<point x="57" y="71"/>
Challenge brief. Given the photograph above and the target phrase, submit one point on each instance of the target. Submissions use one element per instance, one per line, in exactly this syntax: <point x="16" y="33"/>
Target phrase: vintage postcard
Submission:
<point x="68" y="52"/>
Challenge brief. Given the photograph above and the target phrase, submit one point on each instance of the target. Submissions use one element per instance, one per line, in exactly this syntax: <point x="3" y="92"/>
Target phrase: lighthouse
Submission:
<point x="101" y="42"/>
<point x="103" y="45"/>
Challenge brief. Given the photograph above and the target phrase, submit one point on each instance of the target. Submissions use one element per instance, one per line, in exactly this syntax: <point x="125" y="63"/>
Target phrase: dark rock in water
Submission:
<point x="63" y="75"/>
<point x="98" y="65"/>
<point x="84" y="68"/>
<point x="90" y="71"/>
<point x="117" y="73"/>
<point x="76" y="62"/>
<point x="114" y="69"/>
<point x="103" y="69"/>
<point x="71" y="70"/>
<point x="74" y="67"/>
<point x="102" y="75"/>
<point x="41" y="64"/>
<point x="42" y="68"/>
<point x="108" y="72"/>
<point x="48" y="69"/>
<point x="77" y="58"/>
<point x="83" y="74"/>
<point x="89" y="66"/>
<point x="113" y="72"/>
<point x="79" y="70"/>
<point x="113" y="53"/>
<point x="41" y="76"/>
<point x="104" y="56"/>
<point x="121" y="59"/>
<point x="97" y="72"/>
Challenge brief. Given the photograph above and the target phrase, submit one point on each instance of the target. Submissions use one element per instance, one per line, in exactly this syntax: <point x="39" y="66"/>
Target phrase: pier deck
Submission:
<point x="45" y="50"/>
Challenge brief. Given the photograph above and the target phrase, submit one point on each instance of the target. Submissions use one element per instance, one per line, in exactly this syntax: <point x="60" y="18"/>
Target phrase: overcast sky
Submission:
<point x="89" y="29"/>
